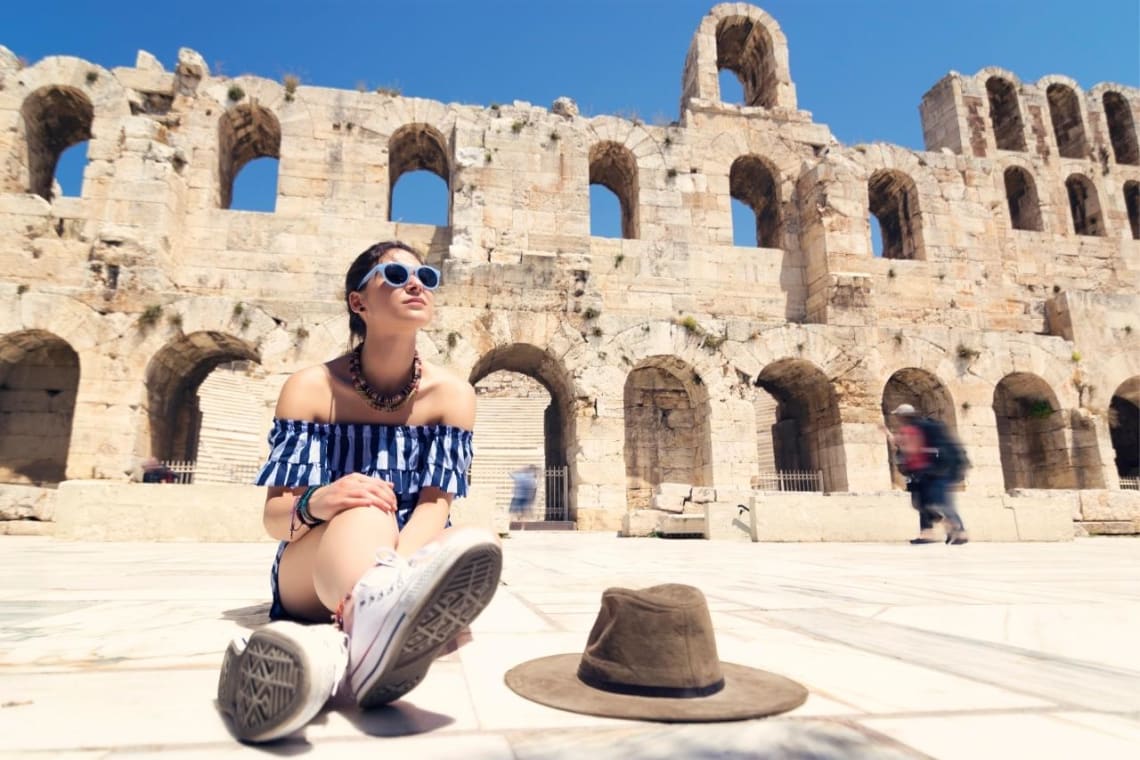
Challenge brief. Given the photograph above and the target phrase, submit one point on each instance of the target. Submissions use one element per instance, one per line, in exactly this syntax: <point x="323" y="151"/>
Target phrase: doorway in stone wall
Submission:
<point x="799" y="430"/>
<point x="39" y="379"/>
<point x="667" y="436"/>
<point x="522" y="422"/>
<point x="1124" y="429"/>
<point x="1031" y="434"/>
<point x="208" y="415"/>
<point x="930" y="398"/>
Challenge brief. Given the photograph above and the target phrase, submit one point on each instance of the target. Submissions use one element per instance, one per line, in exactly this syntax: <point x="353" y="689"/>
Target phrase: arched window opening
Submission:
<point x="420" y="197"/>
<point x="926" y="393"/>
<point x="804" y="426"/>
<point x="1132" y="204"/>
<point x="1121" y="128"/>
<point x="55" y="118"/>
<point x="751" y="182"/>
<point x="612" y="166"/>
<point x="247" y="132"/>
<point x="1021" y="195"/>
<point x="39" y="380"/>
<point x="419" y="149"/>
<point x="894" y="203"/>
<point x="731" y="90"/>
<point x="667" y="435"/>
<point x="255" y="187"/>
<point x="525" y="416"/>
<point x="1068" y="126"/>
<point x="605" y="212"/>
<point x="745" y="48"/>
<point x="1124" y="429"/>
<point x="1084" y="206"/>
<point x="1005" y="115"/>
<point x="1031" y="434"/>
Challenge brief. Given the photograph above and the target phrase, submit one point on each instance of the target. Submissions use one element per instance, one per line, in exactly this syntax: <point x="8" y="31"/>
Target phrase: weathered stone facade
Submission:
<point x="1005" y="301"/>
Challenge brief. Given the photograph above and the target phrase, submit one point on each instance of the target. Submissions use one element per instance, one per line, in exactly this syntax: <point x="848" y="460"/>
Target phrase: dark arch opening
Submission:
<point x="1121" y="128"/>
<point x="752" y="182"/>
<point x="612" y="166"/>
<point x="55" y="118"/>
<point x="246" y="132"/>
<point x="39" y="380"/>
<point x="1084" y="206"/>
<point x="745" y="48"/>
<point x="1021" y="195"/>
<point x="894" y="203"/>
<point x="1005" y="115"/>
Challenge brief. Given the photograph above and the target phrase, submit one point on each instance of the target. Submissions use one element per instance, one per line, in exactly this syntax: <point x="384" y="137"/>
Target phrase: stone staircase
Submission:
<point x="231" y="443"/>
<point x="508" y="435"/>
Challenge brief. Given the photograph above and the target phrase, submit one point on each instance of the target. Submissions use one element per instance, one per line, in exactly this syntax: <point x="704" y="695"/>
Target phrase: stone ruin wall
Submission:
<point x="658" y="347"/>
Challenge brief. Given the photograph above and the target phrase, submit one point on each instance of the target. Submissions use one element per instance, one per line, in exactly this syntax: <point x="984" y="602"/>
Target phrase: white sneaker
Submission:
<point x="405" y="611"/>
<point x="277" y="679"/>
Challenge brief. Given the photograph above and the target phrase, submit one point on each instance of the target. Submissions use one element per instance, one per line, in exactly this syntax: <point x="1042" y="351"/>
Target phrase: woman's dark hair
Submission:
<point x="360" y="267"/>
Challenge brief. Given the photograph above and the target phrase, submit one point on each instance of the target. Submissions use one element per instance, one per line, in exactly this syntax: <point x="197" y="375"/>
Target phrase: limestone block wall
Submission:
<point x="1005" y="292"/>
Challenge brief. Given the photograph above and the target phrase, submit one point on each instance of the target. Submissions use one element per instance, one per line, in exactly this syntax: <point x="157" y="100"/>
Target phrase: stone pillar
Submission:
<point x="944" y="116"/>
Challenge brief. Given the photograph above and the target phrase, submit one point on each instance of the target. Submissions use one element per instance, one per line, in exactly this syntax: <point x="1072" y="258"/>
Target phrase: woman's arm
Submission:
<point x="297" y="401"/>
<point x="429" y="518"/>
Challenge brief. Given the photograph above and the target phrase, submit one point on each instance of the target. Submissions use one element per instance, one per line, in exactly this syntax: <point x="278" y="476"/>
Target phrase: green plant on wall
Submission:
<point x="1039" y="409"/>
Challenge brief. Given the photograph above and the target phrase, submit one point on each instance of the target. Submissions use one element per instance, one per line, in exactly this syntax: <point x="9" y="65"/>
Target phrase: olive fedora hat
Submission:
<point x="651" y="655"/>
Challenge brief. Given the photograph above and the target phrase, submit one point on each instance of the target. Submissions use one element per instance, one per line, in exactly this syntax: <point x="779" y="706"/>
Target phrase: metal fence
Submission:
<point x="557" y="494"/>
<point x="789" y="480"/>
<point x="1130" y="483"/>
<point x="185" y="472"/>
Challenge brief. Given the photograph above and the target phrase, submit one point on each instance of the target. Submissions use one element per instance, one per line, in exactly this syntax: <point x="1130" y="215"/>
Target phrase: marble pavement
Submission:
<point x="110" y="650"/>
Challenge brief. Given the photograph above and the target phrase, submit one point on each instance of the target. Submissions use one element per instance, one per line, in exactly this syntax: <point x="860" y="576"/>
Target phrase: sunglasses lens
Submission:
<point x="429" y="277"/>
<point x="395" y="274"/>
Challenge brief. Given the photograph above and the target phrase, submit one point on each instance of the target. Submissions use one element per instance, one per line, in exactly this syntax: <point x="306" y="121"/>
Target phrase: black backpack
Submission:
<point x="951" y="462"/>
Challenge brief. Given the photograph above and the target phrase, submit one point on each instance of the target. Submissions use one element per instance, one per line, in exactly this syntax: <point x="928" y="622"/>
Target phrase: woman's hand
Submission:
<point x="352" y="491"/>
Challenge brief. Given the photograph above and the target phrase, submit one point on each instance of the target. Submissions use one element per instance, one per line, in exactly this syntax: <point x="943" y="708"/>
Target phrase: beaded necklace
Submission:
<point x="376" y="399"/>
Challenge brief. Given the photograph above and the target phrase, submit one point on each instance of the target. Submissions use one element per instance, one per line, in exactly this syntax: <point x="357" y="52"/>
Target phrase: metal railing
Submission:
<point x="557" y="494"/>
<point x="789" y="480"/>
<point x="1130" y="483"/>
<point x="184" y="471"/>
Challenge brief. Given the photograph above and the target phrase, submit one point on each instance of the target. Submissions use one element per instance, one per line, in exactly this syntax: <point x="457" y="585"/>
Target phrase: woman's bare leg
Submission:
<point x="320" y="569"/>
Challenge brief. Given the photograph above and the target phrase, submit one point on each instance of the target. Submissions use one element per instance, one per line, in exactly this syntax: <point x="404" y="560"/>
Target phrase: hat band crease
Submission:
<point x="635" y="690"/>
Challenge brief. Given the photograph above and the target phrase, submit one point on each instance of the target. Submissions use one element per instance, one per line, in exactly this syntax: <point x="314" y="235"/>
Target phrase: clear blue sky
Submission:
<point x="859" y="67"/>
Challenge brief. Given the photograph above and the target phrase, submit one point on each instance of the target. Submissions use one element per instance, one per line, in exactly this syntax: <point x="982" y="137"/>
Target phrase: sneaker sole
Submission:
<point x="457" y="599"/>
<point x="266" y="688"/>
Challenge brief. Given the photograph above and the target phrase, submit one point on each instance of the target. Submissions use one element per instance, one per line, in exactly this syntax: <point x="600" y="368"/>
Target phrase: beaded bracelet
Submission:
<point x="300" y="512"/>
<point x="303" y="513"/>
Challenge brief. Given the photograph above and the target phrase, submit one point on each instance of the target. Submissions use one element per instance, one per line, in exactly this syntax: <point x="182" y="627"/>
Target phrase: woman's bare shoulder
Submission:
<point x="452" y="396"/>
<point x="307" y="394"/>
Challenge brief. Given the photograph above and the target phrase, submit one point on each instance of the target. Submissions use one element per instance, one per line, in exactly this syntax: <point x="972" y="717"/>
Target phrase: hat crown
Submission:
<point x="657" y="641"/>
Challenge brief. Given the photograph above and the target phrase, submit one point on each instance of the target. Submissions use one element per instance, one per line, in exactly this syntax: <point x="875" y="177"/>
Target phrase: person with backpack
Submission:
<point x="932" y="460"/>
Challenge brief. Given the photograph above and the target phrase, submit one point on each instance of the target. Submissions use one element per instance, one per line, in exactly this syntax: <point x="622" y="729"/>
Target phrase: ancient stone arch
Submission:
<point x="1124" y="429"/>
<point x="893" y="200"/>
<point x="245" y="132"/>
<point x="1068" y="123"/>
<point x="39" y="379"/>
<point x="747" y="41"/>
<point x="172" y="379"/>
<point x="807" y="435"/>
<point x="1132" y="206"/>
<point x="418" y="146"/>
<point x="1031" y="430"/>
<point x="1021" y="199"/>
<point x="614" y="167"/>
<point x="1005" y="114"/>
<point x="754" y="182"/>
<point x="1121" y="128"/>
<point x="926" y="393"/>
<point x="559" y="417"/>
<point x="55" y="118"/>
<point x="1084" y="206"/>
<point x="666" y="411"/>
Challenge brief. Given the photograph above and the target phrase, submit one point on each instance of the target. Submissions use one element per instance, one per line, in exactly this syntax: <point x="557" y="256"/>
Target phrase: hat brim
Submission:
<point x="747" y="693"/>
